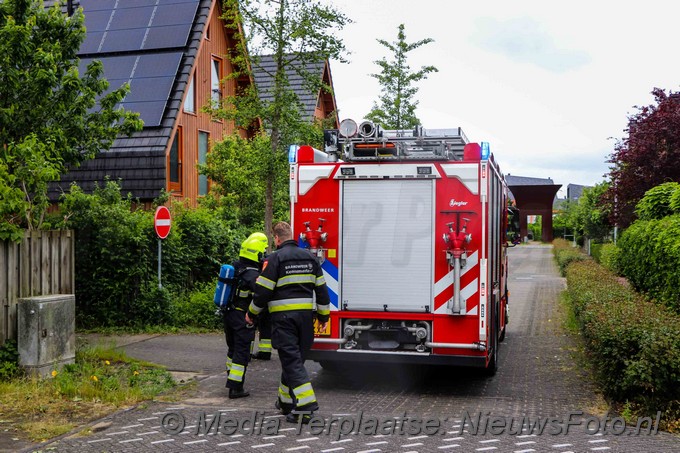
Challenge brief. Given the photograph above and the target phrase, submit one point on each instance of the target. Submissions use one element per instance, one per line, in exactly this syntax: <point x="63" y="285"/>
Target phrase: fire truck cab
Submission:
<point x="410" y="227"/>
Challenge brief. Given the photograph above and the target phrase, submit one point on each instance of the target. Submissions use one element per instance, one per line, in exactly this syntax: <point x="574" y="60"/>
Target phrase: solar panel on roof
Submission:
<point x="150" y="112"/>
<point x="122" y="40"/>
<point x="166" y="37"/>
<point x="97" y="20"/>
<point x="116" y="68"/>
<point x="149" y="89"/>
<point x="151" y="77"/>
<point x="158" y="65"/>
<point x="175" y="14"/>
<point x="131" y="18"/>
<point x="131" y="25"/>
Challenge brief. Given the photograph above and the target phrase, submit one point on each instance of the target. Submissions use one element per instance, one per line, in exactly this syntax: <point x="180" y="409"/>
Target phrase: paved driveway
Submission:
<point x="392" y="409"/>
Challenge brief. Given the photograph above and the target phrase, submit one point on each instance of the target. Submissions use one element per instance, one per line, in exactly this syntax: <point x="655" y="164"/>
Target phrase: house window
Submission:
<point x="215" y="78"/>
<point x="175" y="162"/>
<point x="190" y="100"/>
<point x="202" y="154"/>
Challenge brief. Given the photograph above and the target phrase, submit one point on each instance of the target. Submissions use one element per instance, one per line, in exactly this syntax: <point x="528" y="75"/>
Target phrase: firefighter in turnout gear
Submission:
<point x="238" y="333"/>
<point x="290" y="278"/>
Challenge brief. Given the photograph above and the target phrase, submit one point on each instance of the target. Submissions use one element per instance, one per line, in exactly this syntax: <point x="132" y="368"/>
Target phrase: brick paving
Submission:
<point x="537" y="379"/>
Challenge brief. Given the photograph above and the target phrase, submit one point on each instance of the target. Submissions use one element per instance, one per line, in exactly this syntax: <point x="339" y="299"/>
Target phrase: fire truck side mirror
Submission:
<point x="513" y="220"/>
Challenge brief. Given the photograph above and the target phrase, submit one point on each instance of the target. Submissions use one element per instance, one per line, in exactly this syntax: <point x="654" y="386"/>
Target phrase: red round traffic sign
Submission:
<point x="161" y="222"/>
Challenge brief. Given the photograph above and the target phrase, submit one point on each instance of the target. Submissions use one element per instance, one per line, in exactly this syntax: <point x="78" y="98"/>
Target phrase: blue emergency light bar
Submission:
<point x="486" y="150"/>
<point x="292" y="153"/>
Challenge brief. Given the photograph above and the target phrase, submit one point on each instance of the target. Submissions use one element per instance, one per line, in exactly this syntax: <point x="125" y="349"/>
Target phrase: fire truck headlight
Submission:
<point x="348" y="128"/>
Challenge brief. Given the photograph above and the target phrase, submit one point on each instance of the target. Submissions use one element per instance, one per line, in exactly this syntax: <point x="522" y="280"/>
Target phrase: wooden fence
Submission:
<point x="41" y="264"/>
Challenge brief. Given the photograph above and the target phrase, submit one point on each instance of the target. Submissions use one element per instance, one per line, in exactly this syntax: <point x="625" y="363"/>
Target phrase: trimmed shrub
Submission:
<point x="649" y="257"/>
<point x="656" y="203"/>
<point x="609" y="257"/>
<point x="565" y="254"/>
<point x="635" y="343"/>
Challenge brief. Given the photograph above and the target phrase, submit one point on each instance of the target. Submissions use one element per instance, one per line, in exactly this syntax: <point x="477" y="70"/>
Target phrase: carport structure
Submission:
<point x="534" y="196"/>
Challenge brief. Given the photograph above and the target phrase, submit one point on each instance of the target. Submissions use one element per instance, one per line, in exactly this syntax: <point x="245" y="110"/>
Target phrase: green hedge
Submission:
<point x="635" y="343"/>
<point x="649" y="257"/>
<point x="117" y="258"/>
<point x="565" y="254"/>
<point x="609" y="255"/>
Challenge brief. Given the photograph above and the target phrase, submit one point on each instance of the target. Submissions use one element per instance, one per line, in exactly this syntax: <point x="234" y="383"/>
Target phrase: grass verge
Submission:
<point x="101" y="381"/>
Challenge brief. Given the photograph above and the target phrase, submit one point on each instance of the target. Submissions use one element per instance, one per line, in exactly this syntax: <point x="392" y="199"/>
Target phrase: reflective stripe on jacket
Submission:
<point x="290" y="278"/>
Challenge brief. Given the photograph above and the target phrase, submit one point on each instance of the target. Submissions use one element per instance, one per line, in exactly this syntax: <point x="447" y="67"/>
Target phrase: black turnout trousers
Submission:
<point x="239" y="336"/>
<point x="292" y="337"/>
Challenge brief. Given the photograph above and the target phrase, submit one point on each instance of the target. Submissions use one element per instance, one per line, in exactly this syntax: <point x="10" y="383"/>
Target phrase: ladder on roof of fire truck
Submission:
<point x="373" y="143"/>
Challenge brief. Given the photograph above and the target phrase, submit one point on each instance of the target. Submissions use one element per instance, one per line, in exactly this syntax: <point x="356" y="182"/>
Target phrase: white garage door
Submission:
<point x="387" y="244"/>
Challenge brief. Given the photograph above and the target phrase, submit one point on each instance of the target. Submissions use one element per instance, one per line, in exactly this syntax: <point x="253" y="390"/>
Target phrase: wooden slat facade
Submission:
<point x="217" y="45"/>
<point x="43" y="263"/>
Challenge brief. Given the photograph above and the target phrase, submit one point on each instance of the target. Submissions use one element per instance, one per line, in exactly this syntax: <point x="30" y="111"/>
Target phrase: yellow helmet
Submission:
<point x="254" y="247"/>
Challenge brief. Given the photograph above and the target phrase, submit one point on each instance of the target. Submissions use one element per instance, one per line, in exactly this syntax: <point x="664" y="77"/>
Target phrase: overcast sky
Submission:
<point x="549" y="85"/>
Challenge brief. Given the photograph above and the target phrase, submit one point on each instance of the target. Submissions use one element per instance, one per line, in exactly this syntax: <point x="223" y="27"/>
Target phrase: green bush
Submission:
<point x="649" y="257"/>
<point x="196" y="308"/>
<point x="634" y="342"/>
<point x="9" y="361"/>
<point x="117" y="257"/>
<point x="565" y="254"/>
<point x="656" y="203"/>
<point x="609" y="257"/>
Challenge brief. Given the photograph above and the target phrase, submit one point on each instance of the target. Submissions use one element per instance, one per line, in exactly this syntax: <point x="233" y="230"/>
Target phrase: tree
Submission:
<point x="592" y="214"/>
<point x="648" y="157"/>
<point x="48" y="118"/>
<point x="397" y="107"/>
<point x="297" y="33"/>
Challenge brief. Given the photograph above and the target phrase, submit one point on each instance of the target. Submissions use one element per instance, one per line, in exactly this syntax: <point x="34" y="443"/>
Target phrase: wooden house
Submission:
<point x="174" y="54"/>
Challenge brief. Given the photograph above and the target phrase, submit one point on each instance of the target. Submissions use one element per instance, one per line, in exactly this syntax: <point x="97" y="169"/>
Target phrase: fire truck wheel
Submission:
<point x="333" y="367"/>
<point x="493" y="363"/>
<point x="494" y="343"/>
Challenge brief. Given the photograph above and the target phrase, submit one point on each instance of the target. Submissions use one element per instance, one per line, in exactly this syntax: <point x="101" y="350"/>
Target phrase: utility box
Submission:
<point x="46" y="332"/>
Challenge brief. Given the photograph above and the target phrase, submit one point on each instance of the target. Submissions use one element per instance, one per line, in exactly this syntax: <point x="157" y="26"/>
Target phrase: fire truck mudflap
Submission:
<point x="410" y="228"/>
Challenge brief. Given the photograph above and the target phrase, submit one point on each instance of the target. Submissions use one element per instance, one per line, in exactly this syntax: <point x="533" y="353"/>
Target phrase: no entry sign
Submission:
<point x="161" y="222"/>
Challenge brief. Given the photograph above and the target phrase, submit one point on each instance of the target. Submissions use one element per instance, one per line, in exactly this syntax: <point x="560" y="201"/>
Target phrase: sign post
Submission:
<point x="161" y="222"/>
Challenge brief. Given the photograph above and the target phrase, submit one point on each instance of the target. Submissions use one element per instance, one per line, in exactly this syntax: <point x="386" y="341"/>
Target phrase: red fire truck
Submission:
<point x="410" y="227"/>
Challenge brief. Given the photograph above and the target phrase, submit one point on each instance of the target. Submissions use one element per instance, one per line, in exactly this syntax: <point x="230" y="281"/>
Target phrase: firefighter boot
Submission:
<point x="284" y="408"/>
<point x="261" y="355"/>
<point x="238" y="393"/>
<point x="302" y="417"/>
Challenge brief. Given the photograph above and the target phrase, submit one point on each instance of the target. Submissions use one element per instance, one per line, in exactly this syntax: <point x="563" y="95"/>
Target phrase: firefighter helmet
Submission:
<point x="254" y="247"/>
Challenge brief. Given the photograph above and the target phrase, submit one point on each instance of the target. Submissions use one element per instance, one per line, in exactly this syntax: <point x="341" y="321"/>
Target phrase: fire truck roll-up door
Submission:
<point x="387" y="245"/>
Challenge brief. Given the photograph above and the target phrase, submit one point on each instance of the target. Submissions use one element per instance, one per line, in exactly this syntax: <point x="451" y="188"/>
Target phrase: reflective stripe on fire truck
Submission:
<point x="469" y="290"/>
<point x="483" y="288"/>
<point x="310" y="175"/>
<point x="468" y="174"/>
<point x="292" y="186"/>
<point x="330" y="273"/>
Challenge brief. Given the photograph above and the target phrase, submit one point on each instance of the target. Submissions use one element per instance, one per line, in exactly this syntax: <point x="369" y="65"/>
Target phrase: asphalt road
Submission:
<point x="390" y="409"/>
